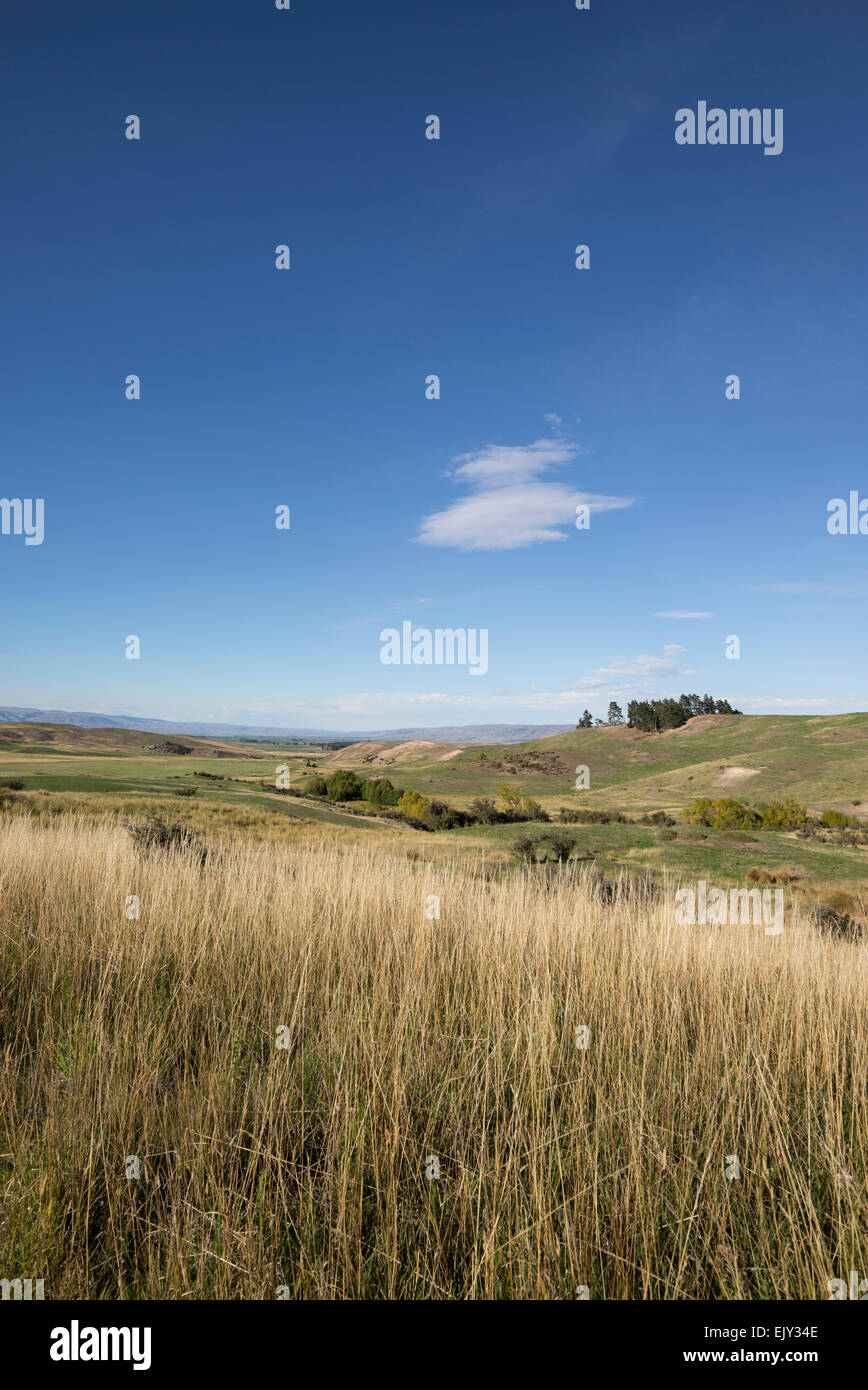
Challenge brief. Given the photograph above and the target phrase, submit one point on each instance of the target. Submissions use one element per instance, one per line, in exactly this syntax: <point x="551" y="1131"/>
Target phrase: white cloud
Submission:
<point x="510" y="505"/>
<point x="673" y="649"/>
<point x="681" y="613"/>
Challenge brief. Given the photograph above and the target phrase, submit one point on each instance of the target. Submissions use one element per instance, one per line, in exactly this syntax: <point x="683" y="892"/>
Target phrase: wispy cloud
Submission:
<point x="643" y="666"/>
<point x="510" y="504"/>
<point x="681" y="613"/>
<point x="623" y="679"/>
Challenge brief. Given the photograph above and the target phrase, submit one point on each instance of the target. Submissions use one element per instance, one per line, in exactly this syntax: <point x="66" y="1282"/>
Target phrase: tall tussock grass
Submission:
<point x="284" y="1040"/>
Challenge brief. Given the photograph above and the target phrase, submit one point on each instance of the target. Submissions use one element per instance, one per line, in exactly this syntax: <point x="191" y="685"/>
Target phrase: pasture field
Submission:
<point x="284" y="1072"/>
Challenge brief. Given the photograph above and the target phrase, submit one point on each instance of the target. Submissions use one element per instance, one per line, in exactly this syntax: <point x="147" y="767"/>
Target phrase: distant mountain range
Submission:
<point x="468" y="733"/>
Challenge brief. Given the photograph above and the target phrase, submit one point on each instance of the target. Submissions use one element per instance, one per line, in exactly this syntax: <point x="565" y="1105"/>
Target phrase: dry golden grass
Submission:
<point x="305" y="1166"/>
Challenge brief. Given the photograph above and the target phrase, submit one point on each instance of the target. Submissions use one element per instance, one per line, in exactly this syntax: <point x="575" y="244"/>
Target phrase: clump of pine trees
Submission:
<point x="653" y="716"/>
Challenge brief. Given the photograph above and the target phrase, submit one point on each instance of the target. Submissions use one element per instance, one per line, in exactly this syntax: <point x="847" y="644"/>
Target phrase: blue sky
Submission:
<point x="409" y="257"/>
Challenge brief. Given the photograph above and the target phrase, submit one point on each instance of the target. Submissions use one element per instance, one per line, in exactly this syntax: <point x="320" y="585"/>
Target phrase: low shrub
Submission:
<point x="440" y="816"/>
<point x="726" y="813"/>
<point x="155" y="834"/>
<point x="535" y="849"/>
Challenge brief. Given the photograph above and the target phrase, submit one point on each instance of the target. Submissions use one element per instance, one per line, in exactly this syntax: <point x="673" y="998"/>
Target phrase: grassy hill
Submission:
<point x="70" y="738"/>
<point x="817" y="759"/>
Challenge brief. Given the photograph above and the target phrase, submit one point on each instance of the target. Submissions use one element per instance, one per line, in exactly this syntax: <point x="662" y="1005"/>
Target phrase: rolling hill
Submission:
<point x="70" y="738"/>
<point x="817" y="759"/>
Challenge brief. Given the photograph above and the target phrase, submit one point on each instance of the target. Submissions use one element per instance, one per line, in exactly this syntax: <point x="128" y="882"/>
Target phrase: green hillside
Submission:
<point x="817" y="759"/>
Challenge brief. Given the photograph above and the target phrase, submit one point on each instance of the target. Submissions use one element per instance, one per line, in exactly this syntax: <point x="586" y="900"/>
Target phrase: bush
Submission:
<point x="728" y="814"/>
<point x="559" y="845"/>
<point x="380" y="792"/>
<point x="12" y="784"/>
<point x="532" y="810"/>
<point x="154" y="833"/>
<point x="829" y="817"/>
<point x="413" y="805"/>
<point x="759" y="876"/>
<point x="665" y="834"/>
<point x="440" y="816"/>
<point x="524" y="849"/>
<point x="762" y="876"/>
<point x="316" y="786"/>
<point x="723" y="814"/>
<point x="483" y="811"/>
<point x="783" y="815"/>
<point x="344" y="786"/>
<point x="833" y="916"/>
<point x="535" y="849"/>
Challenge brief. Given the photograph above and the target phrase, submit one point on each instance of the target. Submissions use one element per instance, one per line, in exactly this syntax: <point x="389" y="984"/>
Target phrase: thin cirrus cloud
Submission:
<point x="681" y="613"/>
<point x="511" y="504"/>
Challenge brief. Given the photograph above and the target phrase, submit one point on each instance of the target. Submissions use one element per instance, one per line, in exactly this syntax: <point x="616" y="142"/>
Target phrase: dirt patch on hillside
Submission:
<point x="732" y="775"/>
<point x="387" y="754"/>
<point x="700" y="722"/>
<point x="408" y="752"/>
<point x="356" y="752"/>
<point x="548" y="764"/>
